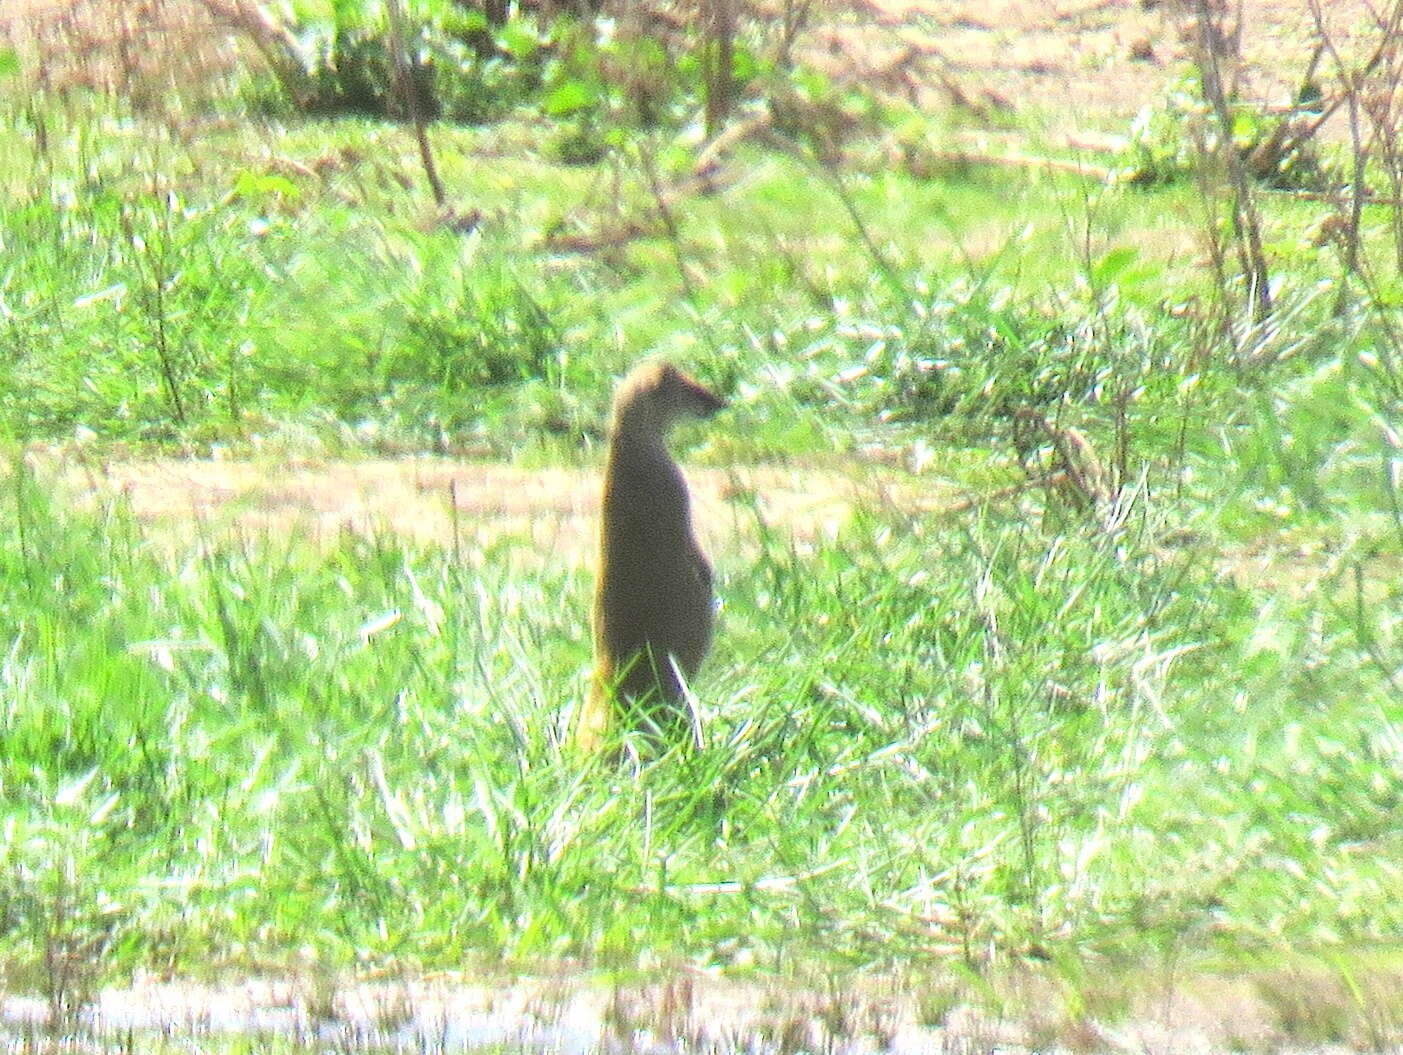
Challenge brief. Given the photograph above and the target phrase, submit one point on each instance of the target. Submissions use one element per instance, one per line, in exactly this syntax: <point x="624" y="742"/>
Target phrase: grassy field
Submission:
<point x="967" y="730"/>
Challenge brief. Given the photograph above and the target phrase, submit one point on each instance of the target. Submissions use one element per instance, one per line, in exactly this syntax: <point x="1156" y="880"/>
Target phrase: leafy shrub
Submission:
<point x="1163" y="147"/>
<point x="462" y="67"/>
<point x="470" y="69"/>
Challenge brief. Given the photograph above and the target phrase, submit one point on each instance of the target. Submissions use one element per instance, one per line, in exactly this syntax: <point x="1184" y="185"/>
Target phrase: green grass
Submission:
<point x="197" y="292"/>
<point x="1029" y="736"/>
<point x="997" y="732"/>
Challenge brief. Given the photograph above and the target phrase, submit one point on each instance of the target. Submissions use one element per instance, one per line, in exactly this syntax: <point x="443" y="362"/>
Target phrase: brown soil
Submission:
<point x="1078" y="65"/>
<point x="470" y="506"/>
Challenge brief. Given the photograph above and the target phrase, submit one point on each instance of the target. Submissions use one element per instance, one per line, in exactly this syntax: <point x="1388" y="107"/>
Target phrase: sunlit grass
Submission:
<point x="217" y="286"/>
<point x="998" y="729"/>
<point x="972" y="732"/>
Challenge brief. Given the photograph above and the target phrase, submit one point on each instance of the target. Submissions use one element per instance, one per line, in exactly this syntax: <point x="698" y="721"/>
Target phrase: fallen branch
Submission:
<point x="1332" y="197"/>
<point x="1052" y="482"/>
<point x="608" y="238"/>
<point x="711" y="154"/>
<point x="705" y="179"/>
<point x="1026" y="161"/>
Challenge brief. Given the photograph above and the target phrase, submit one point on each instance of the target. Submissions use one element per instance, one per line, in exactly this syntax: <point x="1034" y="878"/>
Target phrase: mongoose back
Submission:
<point x="652" y="598"/>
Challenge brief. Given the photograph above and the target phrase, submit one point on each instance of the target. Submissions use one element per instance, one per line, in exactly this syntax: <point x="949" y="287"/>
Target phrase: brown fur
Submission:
<point x="653" y="602"/>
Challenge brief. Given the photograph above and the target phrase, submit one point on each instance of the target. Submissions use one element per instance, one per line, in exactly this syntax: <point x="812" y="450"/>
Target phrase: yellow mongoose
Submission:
<point x="652" y="598"/>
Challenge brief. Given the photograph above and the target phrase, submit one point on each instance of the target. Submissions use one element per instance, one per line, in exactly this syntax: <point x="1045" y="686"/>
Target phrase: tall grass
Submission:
<point x="920" y="736"/>
<point x="1006" y="727"/>
<point x="196" y="291"/>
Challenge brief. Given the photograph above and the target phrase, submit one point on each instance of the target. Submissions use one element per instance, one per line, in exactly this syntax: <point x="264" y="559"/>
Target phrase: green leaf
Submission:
<point x="433" y="10"/>
<point x="517" y="38"/>
<point x="9" y="62"/>
<point x="744" y="64"/>
<point x="1110" y="266"/>
<point x="570" y="97"/>
<point x="463" y="22"/>
<point x="1244" y="127"/>
<point x="254" y="185"/>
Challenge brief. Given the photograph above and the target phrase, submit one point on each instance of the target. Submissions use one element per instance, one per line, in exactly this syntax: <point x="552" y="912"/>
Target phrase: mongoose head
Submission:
<point x="655" y="396"/>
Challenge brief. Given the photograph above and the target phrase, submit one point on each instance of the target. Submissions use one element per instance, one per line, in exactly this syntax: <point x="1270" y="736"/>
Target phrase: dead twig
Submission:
<point x="1246" y="223"/>
<point x="706" y="178"/>
<point x="409" y="93"/>
<point x="1015" y="160"/>
<point x="712" y="153"/>
<point x="1052" y="481"/>
<point x="1082" y="484"/>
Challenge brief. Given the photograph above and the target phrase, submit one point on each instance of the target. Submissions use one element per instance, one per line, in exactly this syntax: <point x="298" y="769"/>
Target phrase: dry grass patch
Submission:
<point x="470" y="507"/>
<point x="142" y="50"/>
